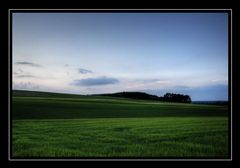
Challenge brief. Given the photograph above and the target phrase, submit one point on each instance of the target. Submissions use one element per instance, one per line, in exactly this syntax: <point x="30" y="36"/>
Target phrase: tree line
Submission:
<point x="168" y="97"/>
<point x="172" y="97"/>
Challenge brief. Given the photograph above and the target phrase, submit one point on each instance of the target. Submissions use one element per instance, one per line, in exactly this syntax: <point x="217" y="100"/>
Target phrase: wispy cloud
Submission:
<point x="25" y="76"/>
<point x="20" y="70"/>
<point x="84" y="71"/>
<point x="152" y="81"/>
<point x="28" y="63"/>
<point x="95" y="81"/>
<point x="25" y="85"/>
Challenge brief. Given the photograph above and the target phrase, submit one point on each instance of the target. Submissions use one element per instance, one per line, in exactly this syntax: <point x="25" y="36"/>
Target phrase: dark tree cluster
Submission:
<point x="171" y="97"/>
<point x="168" y="97"/>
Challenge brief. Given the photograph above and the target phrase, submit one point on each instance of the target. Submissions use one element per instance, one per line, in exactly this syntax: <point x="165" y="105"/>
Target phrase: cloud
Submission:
<point x="27" y="63"/>
<point x="95" y="81"/>
<point x="22" y="74"/>
<point x="25" y="76"/>
<point x="152" y="81"/>
<point x="84" y="71"/>
<point x="20" y="70"/>
<point x="25" y="86"/>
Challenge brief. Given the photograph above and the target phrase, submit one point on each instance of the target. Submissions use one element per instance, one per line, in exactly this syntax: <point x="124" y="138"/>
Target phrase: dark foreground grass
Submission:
<point x="121" y="137"/>
<point x="67" y="108"/>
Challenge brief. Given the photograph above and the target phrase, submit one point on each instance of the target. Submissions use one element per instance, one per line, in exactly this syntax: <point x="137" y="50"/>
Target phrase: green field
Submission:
<point x="61" y="125"/>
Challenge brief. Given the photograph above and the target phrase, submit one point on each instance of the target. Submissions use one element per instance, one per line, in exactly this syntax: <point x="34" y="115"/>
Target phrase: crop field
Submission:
<point x="61" y="125"/>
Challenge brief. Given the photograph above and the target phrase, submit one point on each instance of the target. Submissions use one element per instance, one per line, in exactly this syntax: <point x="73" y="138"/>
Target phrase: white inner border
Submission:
<point x="120" y="159"/>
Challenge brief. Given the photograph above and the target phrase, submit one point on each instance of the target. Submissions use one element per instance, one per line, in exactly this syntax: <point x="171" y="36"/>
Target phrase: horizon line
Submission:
<point x="99" y="94"/>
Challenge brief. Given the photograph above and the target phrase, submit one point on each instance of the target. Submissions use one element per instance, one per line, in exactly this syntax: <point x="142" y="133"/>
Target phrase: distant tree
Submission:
<point x="171" y="97"/>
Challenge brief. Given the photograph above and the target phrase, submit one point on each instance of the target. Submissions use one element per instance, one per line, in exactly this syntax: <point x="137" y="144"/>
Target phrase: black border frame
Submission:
<point x="229" y="11"/>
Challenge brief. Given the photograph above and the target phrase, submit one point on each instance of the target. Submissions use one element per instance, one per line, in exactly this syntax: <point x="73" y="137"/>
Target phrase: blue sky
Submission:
<point x="88" y="53"/>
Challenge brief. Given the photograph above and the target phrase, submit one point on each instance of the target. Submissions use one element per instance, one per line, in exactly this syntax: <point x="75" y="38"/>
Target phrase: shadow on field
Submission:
<point x="27" y="108"/>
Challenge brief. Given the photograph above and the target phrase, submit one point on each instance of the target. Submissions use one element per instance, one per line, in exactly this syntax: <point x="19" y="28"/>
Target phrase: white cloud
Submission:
<point x="25" y="86"/>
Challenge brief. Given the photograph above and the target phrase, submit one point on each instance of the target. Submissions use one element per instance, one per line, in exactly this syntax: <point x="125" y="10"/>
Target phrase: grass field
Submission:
<point x="61" y="125"/>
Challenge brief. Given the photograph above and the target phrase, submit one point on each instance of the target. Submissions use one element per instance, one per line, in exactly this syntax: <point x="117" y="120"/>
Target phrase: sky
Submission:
<point x="91" y="53"/>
